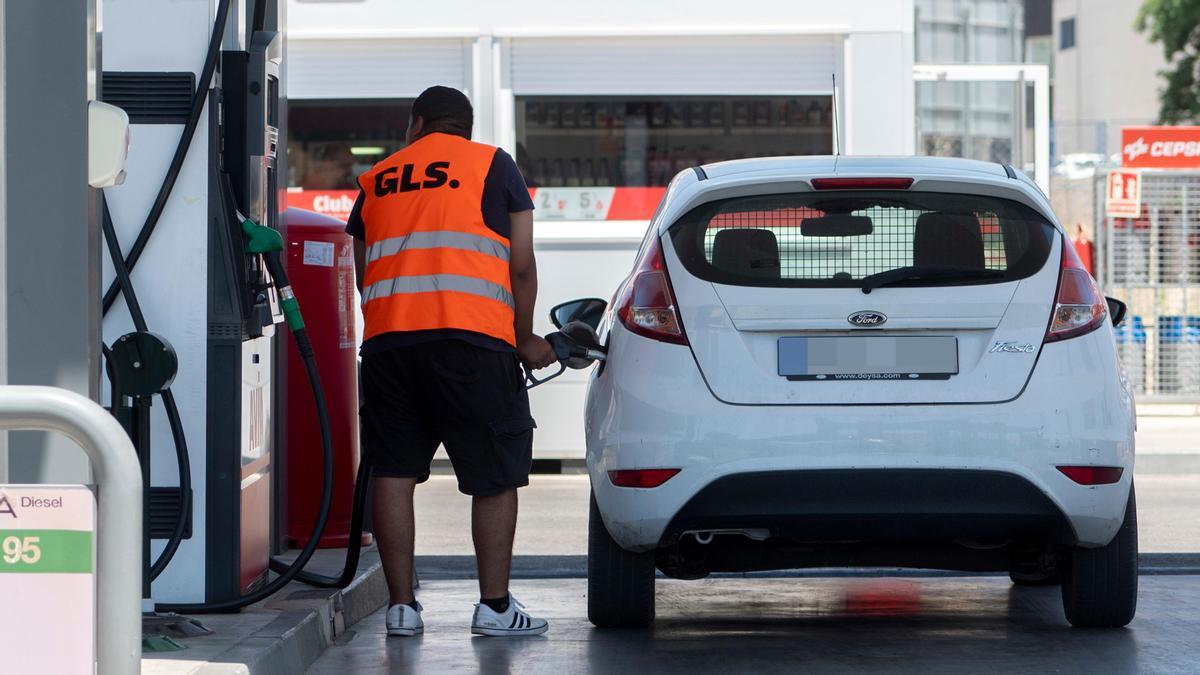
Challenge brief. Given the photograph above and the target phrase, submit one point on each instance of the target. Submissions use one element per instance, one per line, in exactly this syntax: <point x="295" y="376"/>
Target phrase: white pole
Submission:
<point x="119" y="527"/>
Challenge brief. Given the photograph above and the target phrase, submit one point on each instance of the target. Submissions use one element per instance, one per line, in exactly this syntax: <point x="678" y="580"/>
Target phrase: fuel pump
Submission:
<point x="208" y="99"/>
<point x="204" y="271"/>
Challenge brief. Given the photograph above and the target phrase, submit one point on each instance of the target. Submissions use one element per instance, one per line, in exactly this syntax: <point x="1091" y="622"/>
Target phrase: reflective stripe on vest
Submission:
<point x="438" y="239"/>
<point x="432" y="283"/>
<point x="432" y="262"/>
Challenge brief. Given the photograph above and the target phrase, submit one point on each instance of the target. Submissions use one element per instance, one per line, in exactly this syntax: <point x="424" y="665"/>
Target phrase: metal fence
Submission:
<point x="1153" y="264"/>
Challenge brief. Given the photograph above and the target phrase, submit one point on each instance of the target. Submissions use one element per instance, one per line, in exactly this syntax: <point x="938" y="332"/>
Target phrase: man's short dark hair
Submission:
<point x="445" y="108"/>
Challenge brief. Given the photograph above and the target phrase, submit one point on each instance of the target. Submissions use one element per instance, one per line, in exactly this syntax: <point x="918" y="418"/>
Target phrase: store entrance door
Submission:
<point x="994" y="113"/>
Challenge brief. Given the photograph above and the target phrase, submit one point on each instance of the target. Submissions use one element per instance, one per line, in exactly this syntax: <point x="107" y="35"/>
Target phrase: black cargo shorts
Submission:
<point x="470" y="399"/>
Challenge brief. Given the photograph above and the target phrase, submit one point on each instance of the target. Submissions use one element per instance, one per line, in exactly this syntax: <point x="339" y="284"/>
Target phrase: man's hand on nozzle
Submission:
<point x="535" y="351"/>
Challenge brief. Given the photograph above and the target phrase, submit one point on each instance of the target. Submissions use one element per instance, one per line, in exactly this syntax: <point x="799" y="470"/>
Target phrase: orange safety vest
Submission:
<point x="432" y="261"/>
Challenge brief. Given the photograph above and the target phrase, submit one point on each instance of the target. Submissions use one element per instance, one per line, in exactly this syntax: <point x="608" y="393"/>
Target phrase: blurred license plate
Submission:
<point x="873" y="357"/>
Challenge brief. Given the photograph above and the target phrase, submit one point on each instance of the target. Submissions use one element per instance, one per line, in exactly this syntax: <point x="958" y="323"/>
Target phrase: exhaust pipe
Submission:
<point x="705" y="537"/>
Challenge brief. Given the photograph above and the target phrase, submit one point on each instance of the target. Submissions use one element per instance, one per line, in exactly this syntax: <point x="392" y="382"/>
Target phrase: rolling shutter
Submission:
<point x="680" y="65"/>
<point x="341" y="69"/>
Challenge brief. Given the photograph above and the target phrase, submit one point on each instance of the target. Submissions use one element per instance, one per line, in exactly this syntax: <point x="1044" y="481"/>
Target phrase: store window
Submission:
<point x="331" y="142"/>
<point x="584" y="141"/>
<point x="1066" y="33"/>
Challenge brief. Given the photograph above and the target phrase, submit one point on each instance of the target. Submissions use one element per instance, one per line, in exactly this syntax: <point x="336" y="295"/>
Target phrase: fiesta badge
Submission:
<point x="867" y="319"/>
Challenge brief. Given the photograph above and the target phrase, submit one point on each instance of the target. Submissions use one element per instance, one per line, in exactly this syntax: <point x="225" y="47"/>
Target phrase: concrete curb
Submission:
<point x="445" y="567"/>
<point x="310" y="620"/>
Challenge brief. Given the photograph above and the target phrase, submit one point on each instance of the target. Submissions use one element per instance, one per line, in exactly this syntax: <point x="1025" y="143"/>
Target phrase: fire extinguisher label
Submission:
<point x="318" y="253"/>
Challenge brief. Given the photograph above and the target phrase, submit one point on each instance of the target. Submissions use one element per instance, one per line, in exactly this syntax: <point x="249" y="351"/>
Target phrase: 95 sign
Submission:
<point x="45" y="552"/>
<point x="21" y="549"/>
<point x="47" y="578"/>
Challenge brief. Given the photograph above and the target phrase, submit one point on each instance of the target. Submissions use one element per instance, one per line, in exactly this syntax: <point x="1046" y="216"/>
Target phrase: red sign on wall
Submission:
<point x="336" y="203"/>
<point x="1160" y="147"/>
<point x="1124" y="195"/>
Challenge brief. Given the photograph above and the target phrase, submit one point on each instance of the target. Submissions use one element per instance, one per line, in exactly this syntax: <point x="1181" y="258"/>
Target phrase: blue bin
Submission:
<point x="1131" y="348"/>
<point x="1178" y="359"/>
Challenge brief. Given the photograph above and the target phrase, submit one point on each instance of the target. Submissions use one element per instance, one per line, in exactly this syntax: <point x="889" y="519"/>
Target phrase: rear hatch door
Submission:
<point x="771" y="295"/>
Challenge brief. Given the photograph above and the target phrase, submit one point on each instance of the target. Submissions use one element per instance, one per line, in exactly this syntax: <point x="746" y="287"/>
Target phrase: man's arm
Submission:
<point x="534" y="351"/>
<point x="360" y="262"/>
<point x="357" y="229"/>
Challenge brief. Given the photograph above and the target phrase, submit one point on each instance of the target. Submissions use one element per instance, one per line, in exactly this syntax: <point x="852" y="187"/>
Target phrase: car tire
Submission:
<point x="1099" y="587"/>
<point x="620" y="583"/>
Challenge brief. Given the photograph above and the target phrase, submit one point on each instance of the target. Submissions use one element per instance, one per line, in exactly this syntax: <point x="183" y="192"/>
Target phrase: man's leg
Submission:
<point x="493" y="524"/>
<point x="395" y="530"/>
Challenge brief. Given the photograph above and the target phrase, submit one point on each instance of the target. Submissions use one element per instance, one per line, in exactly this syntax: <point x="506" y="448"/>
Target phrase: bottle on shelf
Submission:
<point x="814" y="113"/>
<point x="587" y="173"/>
<point x="550" y="113"/>
<point x="697" y="114"/>
<point x="570" y="114"/>
<point x="572" y="177"/>
<point x="587" y="115"/>
<point x="603" y="115"/>
<point x="540" y="171"/>
<point x="741" y="113"/>
<point x="658" y="115"/>
<point x="762" y="113"/>
<point x="604" y="173"/>
<point x="716" y="114"/>
<point x="558" y="175"/>
<point x="795" y="113"/>
<point x="533" y="114"/>
<point x="676" y="114"/>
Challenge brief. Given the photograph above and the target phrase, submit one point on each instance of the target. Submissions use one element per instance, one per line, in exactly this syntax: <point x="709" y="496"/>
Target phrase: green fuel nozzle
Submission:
<point x="268" y="243"/>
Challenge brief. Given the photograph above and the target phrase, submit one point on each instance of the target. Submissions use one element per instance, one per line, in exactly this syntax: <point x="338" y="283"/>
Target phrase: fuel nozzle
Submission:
<point x="268" y="243"/>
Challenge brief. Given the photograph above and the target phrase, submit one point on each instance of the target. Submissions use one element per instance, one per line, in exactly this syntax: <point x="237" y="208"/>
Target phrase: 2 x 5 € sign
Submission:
<point x="1124" y="194"/>
<point x="1160" y="147"/>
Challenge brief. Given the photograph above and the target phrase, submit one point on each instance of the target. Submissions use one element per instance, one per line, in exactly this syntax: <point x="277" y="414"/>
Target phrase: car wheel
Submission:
<point x="1100" y="585"/>
<point x="620" y="583"/>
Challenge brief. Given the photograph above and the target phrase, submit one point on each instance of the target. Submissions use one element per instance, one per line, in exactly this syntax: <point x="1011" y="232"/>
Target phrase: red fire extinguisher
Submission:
<point x="320" y="263"/>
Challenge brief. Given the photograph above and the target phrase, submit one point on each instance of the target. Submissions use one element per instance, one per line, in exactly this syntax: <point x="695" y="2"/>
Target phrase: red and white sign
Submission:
<point x="553" y="203"/>
<point x="336" y="203"/>
<point x="1160" y="147"/>
<point x="1124" y="195"/>
<point x="595" y="203"/>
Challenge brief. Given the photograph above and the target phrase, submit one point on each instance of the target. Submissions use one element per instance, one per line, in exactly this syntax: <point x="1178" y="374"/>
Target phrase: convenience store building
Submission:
<point x="600" y="104"/>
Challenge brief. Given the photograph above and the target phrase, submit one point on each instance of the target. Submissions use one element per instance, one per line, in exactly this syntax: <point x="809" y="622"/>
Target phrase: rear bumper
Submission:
<point x="876" y="505"/>
<point x="651" y="409"/>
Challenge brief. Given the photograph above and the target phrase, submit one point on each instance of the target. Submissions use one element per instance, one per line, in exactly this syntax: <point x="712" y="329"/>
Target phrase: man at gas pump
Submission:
<point x="444" y="257"/>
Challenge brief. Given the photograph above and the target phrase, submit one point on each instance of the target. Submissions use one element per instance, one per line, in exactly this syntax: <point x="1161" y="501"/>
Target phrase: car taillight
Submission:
<point x="647" y="303"/>
<point x="861" y="183"/>
<point x="1079" y="307"/>
<point x="641" y="478"/>
<point x="1092" y="475"/>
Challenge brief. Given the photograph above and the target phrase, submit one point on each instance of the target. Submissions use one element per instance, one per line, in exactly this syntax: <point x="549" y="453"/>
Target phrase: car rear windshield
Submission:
<point x="815" y="239"/>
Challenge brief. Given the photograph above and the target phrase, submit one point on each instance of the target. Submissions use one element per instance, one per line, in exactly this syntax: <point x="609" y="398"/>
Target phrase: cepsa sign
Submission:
<point x="1160" y="147"/>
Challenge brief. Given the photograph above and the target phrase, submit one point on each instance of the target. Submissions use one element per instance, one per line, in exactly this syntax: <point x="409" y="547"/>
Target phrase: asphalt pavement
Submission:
<point x="925" y="626"/>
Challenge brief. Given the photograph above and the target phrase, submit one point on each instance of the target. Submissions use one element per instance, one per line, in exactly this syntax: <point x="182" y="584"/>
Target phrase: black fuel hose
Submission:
<point x="182" y="461"/>
<point x="353" y="547"/>
<point x="293" y="569"/>
<point x="181" y="150"/>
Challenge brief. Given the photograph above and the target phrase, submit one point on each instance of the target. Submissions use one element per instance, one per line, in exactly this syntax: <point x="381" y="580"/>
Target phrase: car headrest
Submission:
<point x="746" y="251"/>
<point x="945" y="239"/>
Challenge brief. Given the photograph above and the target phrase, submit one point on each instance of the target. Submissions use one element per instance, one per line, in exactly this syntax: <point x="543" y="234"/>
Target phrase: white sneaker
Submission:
<point x="512" y="622"/>
<point x="404" y="621"/>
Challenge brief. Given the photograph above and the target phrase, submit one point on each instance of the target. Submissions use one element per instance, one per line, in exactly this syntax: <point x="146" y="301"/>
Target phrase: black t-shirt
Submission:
<point x="504" y="192"/>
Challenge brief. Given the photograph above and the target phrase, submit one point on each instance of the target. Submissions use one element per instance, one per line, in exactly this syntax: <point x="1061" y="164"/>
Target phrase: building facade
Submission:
<point x="1105" y="75"/>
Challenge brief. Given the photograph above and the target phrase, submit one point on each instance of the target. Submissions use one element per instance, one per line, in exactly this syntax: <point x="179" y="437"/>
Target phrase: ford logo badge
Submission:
<point x="867" y="319"/>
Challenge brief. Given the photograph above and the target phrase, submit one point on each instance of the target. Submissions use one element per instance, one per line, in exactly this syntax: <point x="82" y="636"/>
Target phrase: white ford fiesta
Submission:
<point x="863" y="362"/>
